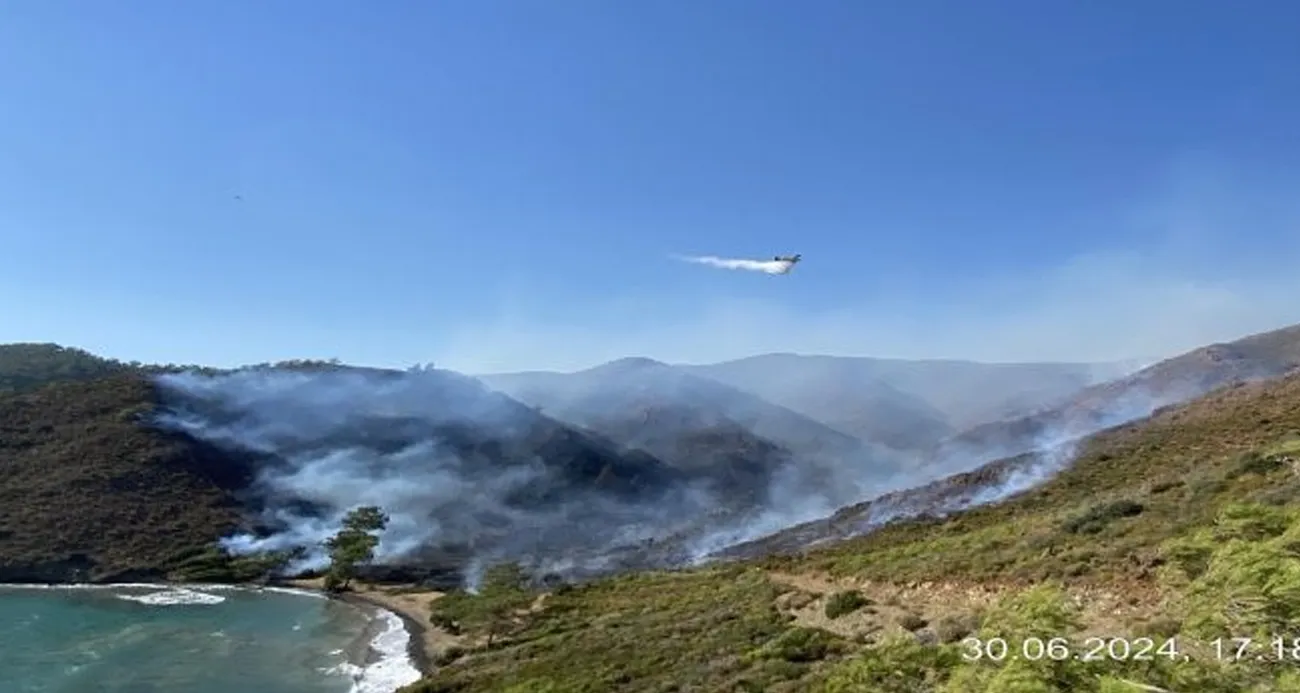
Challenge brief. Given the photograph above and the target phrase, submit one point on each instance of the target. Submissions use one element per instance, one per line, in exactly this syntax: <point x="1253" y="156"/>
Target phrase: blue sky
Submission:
<point x="497" y="185"/>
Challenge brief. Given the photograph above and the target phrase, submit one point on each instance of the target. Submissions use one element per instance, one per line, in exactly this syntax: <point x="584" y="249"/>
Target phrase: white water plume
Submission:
<point x="766" y="266"/>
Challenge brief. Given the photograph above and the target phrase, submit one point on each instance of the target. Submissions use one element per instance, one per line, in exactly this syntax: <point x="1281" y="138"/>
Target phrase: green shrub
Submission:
<point x="897" y="665"/>
<point x="1242" y="575"/>
<point x="846" y="602"/>
<point x="800" y="645"/>
<point x="1257" y="463"/>
<point x="912" y="622"/>
<point x="1098" y="516"/>
<point x="950" y="629"/>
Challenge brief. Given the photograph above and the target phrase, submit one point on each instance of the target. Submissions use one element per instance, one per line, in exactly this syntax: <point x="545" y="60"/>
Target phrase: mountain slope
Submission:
<point x="1128" y="489"/>
<point x="907" y="405"/>
<point x="1160" y="529"/>
<point x="648" y="404"/>
<point x="133" y="474"/>
<point x="1179" y="379"/>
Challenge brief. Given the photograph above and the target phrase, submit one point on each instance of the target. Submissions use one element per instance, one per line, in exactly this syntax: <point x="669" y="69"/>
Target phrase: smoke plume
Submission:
<point x="466" y="475"/>
<point x="971" y="478"/>
<point x="471" y="477"/>
<point x="765" y="266"/>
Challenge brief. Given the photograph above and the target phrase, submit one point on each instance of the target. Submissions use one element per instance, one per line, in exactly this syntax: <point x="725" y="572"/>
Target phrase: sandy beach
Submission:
<point x="408" y="602"/>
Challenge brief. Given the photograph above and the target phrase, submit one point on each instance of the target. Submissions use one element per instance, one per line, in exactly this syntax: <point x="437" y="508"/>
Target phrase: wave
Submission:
<point x="203" y="587"/>
<point x="391" y="667"/>
<point x="174" y="597"/>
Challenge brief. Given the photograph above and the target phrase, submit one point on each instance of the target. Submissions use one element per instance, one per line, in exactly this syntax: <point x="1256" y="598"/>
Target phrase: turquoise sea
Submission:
<point x="158" y="639"/>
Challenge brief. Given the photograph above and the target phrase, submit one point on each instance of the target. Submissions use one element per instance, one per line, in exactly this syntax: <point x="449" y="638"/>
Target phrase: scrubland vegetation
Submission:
<point x="1164" y="536"/>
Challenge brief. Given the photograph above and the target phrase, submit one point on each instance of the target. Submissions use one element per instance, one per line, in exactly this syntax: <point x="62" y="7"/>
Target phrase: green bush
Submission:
<point x="846" y="602"/>
<point x="1256" y="463"/>
<point x="950" y="629"/>
<point x="1097" y="517"/>
<point x="1242" y="575"/>
<point x="912" y="622"/>
<point x="897" y="665"/>
<point x="800" y="645"/>
<point x="1043" y="612"/>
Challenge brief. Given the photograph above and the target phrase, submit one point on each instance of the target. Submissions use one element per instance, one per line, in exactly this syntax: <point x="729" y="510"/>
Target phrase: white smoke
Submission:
<point x="419" y="446"/>
<point x="765" y="266"/>
<point x="466" y="475"/>
<point x="1046" y="455"/>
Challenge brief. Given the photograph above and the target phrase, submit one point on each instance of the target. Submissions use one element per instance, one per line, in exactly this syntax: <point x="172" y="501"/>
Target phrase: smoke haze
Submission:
<point x="468" y="476"/>
<point x="973" y="482"/>
<point x="471" y="477"/>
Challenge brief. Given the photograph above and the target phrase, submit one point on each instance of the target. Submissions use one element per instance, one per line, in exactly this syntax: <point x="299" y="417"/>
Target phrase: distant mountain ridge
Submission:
<point x="691" y="422"/>
<point x="632" y="385"/>
<point x="908" y="405"/>
<point x="905" y="406"/>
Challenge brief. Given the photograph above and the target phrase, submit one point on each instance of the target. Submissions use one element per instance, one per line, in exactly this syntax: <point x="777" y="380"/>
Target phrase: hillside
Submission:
<point x="694" y="422"/>
<point x="1172" y="381"/>
<point x="178" y="460"/>
<point x="1168" y="473"/>
<point x="907" y="405"/>
<point x="633" y="385"/>
<point x="1163" y="528"/>
<point x="87" y="492"/>
<point x="1183" y="524"/>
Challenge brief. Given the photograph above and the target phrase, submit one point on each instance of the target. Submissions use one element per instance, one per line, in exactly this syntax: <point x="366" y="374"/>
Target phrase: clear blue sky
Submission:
<point x="497" y="184"/>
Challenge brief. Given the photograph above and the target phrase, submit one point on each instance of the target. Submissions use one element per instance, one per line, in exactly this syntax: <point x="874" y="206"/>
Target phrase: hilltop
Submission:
<point x="30" y="365"/>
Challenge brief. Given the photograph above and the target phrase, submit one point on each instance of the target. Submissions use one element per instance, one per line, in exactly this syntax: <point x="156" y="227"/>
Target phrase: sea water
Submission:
<point x="157" y="639"/>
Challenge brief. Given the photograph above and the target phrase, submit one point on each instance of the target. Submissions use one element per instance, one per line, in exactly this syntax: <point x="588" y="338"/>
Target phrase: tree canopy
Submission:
<point x="353" y="545"/>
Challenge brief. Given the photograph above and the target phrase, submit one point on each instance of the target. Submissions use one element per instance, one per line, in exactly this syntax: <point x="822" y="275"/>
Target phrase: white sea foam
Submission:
<point x="164" y="595"/>
<point x="174" y="597"/>
<point x="159" y="585"/>
<point x="394" y="668"/>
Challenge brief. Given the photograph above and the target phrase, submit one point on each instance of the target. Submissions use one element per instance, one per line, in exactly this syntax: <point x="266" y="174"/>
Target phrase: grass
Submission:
<point x="716" y="629"/>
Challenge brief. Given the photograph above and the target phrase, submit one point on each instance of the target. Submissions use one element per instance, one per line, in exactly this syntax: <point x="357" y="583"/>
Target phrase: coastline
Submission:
<point x="402" y="606"/>
<point x="409" y="604"/>
<point x="387" y="655"/>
